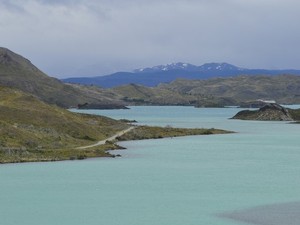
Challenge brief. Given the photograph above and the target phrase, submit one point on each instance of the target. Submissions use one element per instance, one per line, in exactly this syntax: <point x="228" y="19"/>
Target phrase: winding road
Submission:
<point x="108" y="139"/>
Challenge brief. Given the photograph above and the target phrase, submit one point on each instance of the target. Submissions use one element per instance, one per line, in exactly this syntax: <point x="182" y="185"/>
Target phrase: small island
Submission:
<point x="269" y="112"/>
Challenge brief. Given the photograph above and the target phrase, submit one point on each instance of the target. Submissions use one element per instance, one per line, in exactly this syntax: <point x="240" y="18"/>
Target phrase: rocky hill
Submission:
<point x="20" y="73"/>
<point x="269" y="112"/>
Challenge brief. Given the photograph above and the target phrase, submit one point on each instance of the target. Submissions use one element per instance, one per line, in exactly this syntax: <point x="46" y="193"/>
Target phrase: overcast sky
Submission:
<point x="96" y="37"/>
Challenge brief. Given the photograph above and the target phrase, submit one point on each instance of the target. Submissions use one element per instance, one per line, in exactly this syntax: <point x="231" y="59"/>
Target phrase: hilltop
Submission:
<point x="153" y="76"/>
<point x="18" y="72"/>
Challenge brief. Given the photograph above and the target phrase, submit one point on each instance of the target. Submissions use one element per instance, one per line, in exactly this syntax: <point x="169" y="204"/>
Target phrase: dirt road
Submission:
<point x="108" y="139"/>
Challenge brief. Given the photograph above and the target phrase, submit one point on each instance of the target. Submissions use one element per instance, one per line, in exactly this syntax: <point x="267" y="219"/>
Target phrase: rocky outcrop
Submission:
<point x="269" y="112"/>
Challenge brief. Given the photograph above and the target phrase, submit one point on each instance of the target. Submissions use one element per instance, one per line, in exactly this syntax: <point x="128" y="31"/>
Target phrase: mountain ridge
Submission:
<point x="153" y="76"/>
<point x="190" y="67"/>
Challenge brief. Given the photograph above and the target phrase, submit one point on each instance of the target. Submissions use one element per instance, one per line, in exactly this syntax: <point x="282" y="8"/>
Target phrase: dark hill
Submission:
<point x="272" y="112"/>
<point x="20" y="73"/>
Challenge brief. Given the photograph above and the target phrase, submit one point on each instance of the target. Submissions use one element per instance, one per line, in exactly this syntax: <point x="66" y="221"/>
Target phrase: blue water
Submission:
<point x="173" y="181"/>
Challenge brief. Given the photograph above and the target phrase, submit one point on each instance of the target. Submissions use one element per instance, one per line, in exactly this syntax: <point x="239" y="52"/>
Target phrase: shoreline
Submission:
<point x="110" y="144"/>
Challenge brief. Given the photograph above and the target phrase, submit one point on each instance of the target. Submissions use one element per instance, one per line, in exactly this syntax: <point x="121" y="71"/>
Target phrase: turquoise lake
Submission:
<point x="173" y="181"/>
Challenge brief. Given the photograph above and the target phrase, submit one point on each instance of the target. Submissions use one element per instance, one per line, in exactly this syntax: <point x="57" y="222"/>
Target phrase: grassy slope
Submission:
<point x="31" y="130"/>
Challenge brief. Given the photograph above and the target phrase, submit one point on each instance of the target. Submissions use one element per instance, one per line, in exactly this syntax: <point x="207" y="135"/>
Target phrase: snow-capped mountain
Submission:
<point x="168" y="67"/>
<point x="190" y="67"/>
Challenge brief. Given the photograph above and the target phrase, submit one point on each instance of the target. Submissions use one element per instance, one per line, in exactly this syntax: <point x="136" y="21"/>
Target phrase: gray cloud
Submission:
<point x="62" y="37"/>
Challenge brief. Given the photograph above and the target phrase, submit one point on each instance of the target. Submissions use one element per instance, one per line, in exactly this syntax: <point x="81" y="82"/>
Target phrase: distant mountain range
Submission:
<point x="153" y="76"/>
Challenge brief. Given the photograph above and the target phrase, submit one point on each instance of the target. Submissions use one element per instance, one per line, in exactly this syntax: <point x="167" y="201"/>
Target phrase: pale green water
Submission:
<point x="179" y="181"/>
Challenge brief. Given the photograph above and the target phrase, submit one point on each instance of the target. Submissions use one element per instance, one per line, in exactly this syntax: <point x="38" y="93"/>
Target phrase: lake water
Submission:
<point x="173" y="181"/>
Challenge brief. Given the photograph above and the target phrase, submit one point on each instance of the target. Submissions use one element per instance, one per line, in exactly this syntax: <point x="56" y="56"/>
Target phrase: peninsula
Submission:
<point x="34" y="126"/>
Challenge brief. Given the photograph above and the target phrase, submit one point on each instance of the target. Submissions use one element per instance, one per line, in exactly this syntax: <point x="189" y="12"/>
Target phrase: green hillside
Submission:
<point x="31" y="130"/>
